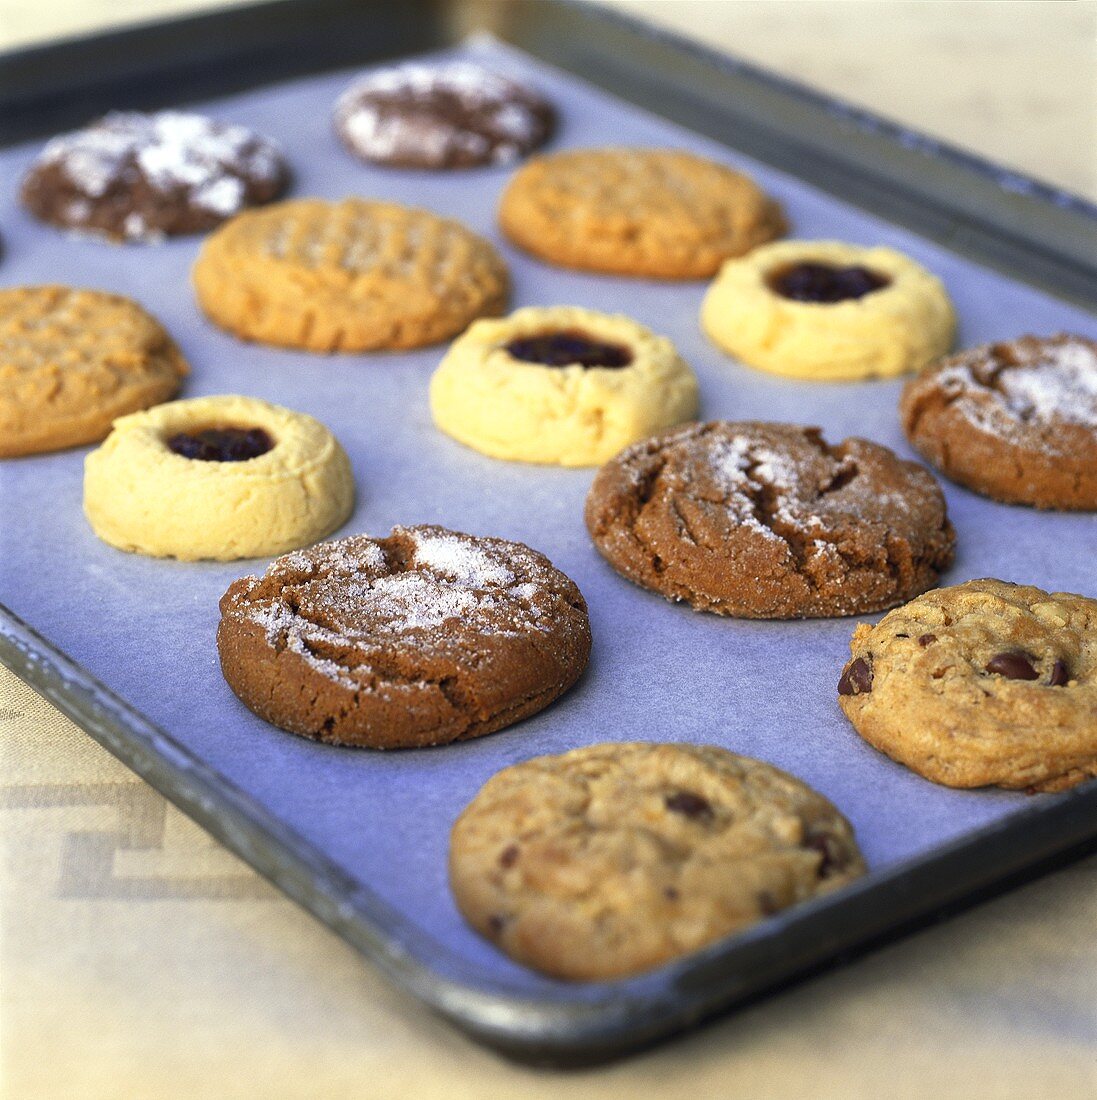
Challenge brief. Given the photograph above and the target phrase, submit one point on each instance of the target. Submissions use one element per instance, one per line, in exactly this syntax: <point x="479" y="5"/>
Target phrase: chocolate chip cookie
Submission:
<point x="71" y="361"/>
<point x="986" y="683"/>
<point x="421" y="638"/>
<point x="133" y="176"/>
<point x="613" y="859"/>
<point x="769" y="521"/>
<point x="1016" y="421"/>
<point x="452" y="114"/>
<point x="661" y="213"/>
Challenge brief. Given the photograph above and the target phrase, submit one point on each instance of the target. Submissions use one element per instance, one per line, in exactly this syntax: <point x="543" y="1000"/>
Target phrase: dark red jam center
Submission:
<point x="810" y="282"/>
<point x="221" y="444"/>
<point x="564" y="349"/>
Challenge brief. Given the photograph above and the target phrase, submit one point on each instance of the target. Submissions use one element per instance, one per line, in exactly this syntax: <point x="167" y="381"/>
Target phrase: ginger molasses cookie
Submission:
<point x="217" y="477"/>
<point x="560" y="385"/>
<point x="615" y="858"/>
<point x="769" y="521"/>
<point x="652" y="212"/>
<point x="829" y="311"/>
<point x="1016" y="421"/>
<point x="133" y="176"/>
<point x="421" y="638"/>
<point x="982" y="684"/>
<point x="354" y="275"/>
<point x="449" y="114"/>
<point x="73" y="360"/>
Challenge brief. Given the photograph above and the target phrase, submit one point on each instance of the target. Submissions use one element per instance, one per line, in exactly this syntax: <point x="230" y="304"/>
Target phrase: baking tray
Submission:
<point x="124" y="644"/>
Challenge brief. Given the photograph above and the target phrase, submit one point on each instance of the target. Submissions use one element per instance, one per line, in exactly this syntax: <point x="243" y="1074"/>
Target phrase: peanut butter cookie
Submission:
<point x="613" y="859"/>
<point x="71" y="361"/>
<point x="660" y="213"/>
<point x="986" y="683"/>
<point x="347" y="276"/>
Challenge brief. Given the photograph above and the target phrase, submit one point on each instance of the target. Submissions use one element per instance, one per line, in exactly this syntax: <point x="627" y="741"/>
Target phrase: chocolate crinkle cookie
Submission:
<point x="769" y="521"/>
<point x="1015" y="421"/>
<point x="449" y="115"/>
<point x="421" y="638"/>
<point x="133" y="176"/>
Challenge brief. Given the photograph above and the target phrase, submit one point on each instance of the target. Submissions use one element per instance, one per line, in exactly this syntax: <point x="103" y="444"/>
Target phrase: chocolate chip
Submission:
<point x="827" y="847"/>
<point x="768" y="903"/>
<point x="825" y="283"/>
<point x="689" y="805"/>
<point x="1060" y="674"/>
<point x="495" y="924"/>
<point x="926" y="639"/>
<point x="565" y="349"/>
<point x="221" y="444"/>
<point x="508" y="857"/>
<point x="1014" y="664"/>
<point x="856" y="679"/>
<point x="671" y="893"/>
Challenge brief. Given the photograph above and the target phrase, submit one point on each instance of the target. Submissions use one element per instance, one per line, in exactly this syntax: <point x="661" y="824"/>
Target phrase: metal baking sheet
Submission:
<point x="361" y="837"/>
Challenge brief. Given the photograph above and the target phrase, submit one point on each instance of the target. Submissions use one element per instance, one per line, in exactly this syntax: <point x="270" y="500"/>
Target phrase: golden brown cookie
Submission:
<point x="615" y="858"/>
<point x="769" y="521"/>
<point x="652" y="212"/>
<point x="986" y="683"/>
<point x="354" y="275"/>
<point x="71" y="361"/>
<point x="1016" y="420"/>
<point x="422" y="638"/>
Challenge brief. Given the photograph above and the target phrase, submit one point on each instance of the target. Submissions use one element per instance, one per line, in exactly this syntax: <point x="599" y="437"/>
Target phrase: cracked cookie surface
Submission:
<point x="984" y="683"/>
<point x="615" y="858"/>
<point x="660" y="213"/>
<point x="769" y="521"/>
<point x="422" y="638"/>
<point x="72" y="361"/>
<point x="355" y="275"/>
<point x="1016" y="421"/>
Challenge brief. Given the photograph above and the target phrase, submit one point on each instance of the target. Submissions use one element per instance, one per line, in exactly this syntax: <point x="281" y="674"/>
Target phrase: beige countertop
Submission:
<point x="138" y="959"/>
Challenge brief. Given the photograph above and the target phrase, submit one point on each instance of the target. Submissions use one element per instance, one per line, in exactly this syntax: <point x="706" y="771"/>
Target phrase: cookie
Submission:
<point x="615" y="858"/>
<point x="452" y="114"/>
<point x="422" y="638"/>
<point x="73" y="360"/>
<point x="347" y="276"/>
<point x="829" y="311"/>
<point x="138" y="177"/>
<point x="217" y="477"/>
<point x="1015" y="421"/>
<point x="769" y="521"/>
<point x="983" y="684"/>
<point x="660" y="213"/>
<point x="559" y="385"/>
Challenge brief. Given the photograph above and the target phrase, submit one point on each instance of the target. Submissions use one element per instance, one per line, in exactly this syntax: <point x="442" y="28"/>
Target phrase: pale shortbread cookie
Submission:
<point x="141" y="496"/>
<point x="899" y="327"/>
<point x="567" y="414"/>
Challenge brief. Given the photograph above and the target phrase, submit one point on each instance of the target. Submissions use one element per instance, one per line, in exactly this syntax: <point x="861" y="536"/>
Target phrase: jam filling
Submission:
<point x="814" y="282"/>
<point x="221" y="444"/>
<point x="565" y="349"/>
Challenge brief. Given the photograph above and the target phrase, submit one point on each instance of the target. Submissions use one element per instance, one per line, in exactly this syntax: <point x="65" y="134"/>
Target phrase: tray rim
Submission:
<point x="632" y="1012"/>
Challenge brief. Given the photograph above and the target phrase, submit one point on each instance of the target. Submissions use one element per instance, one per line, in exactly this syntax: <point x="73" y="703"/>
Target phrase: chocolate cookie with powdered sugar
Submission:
<point x="1015" y="421"/>
<point x="769" y="521"/>
<point x="138" y="177"/>
<point x="450" y="115"/>
<point x="422" y="638"/>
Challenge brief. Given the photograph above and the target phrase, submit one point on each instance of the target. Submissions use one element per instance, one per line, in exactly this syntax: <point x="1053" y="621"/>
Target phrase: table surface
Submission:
<point x="141" y="959"/>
